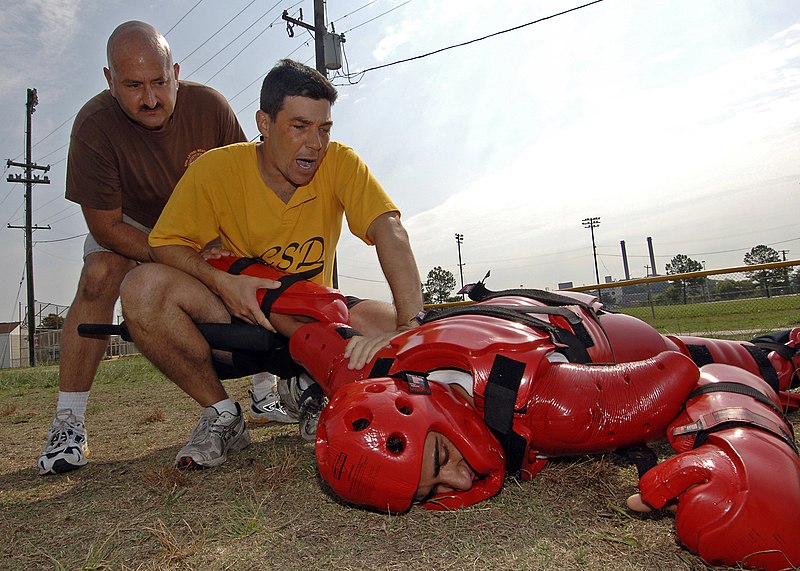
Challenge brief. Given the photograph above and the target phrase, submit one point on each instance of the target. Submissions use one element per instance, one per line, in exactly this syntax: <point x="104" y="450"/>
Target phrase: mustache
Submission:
<point x="148" y="108"/>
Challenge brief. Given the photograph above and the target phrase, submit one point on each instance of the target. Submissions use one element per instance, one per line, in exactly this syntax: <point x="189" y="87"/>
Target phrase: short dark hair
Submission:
<point x="291" y="79"/>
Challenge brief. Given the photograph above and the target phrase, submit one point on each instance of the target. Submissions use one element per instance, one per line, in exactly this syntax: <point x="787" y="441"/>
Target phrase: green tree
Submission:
<point x="731" y="289"/>
<point x="52" y="321"/>
<point x="682" y="264"/>
<point x="438" y="285"/>
<point x="765" y="278"/>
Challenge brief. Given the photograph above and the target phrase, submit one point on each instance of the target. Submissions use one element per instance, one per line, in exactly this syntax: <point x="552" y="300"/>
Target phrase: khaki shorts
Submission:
<point x="90" y="245"/>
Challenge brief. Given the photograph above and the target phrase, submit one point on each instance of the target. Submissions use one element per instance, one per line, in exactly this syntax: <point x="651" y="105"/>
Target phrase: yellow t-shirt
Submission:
<point x="223" y="195"/>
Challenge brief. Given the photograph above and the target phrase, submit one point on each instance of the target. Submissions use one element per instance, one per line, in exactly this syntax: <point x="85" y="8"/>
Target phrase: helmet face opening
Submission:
<point x="371" y="440"/>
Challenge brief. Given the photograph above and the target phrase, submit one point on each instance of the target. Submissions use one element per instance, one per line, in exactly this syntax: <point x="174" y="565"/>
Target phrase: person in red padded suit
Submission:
<point x="448" y="409"/>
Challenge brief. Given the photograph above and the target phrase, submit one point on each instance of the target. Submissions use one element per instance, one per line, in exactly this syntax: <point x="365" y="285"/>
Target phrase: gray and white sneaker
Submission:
<point x="313" y="401"/>
<point x="67" y="447"/>
<point x="269" y="409"/>
<point x="213" y="438"/>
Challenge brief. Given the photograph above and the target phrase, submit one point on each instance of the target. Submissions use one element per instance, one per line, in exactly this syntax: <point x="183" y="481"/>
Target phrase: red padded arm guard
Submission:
<point x="739" y="492"/>
<point x="578" y="409"/>
<point x="738" y="498"/>
<point x="301" y="297"/>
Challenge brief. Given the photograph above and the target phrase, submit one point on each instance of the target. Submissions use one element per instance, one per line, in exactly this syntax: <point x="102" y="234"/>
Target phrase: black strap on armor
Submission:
<point x="381" y="367"/>
<point x="731" y="418"/>
<point x="287" y="281"/>
<point x="739" y="389"/>
<point x="700" y="355"/>
<point x="500" y="399"/>
<point x="768" y="372"/>
<point x="776" y="342"/>
<point x="575" y="349"/>
<point x="642" y="457"/>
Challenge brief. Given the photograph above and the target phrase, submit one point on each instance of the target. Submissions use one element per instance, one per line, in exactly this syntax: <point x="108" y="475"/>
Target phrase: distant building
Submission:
<point x="10" y="337"/>
<point x="565" y="285"/>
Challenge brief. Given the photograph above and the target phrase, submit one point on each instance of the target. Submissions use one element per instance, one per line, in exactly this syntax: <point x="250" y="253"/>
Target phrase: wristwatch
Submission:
<point x="418" y="318"/>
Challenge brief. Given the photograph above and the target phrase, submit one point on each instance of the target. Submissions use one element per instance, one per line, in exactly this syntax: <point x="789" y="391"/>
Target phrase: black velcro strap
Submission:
<point x="700" y="355"/>
<point x="731" y="418"/>
<point x="739" y="389"/>
<point x="287" y="281"/>
<point x="575" y="321"/>
<point x="242" y="264"/>
<point x="575" y="349"/>
<point x="346" y="332"/>
<point x="546" y="297"/>
<point x="768" y="372"/>
<point x="381" y="367"/>
<point x="500" y="398"/>
<point x="776" y="341"/>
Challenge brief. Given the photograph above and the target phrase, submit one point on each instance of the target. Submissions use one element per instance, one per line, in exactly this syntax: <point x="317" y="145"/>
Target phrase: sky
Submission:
<point x="677" y="120"/>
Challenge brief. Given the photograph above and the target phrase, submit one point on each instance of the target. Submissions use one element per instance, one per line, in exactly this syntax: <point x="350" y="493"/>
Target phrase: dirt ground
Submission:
<point x="266" y="508"/>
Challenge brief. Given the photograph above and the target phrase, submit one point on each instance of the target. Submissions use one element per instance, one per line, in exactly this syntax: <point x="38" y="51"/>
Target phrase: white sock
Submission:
<point x="264" y="384"/>
<point x="304" y="381"/>
<point x="75" y="401"/>
<point x="225" y="405"/>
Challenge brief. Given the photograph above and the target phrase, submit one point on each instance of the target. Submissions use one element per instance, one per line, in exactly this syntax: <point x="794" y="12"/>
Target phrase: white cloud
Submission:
<point x="395" y="37"/>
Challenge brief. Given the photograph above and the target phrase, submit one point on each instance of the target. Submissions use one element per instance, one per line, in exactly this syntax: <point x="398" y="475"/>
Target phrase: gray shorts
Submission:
<point x="90" y="245"/>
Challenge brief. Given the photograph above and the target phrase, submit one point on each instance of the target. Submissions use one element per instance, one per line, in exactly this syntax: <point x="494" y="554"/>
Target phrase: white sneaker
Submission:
<point x="67" y="447"/>
<point x="214" y="436"/>
<point x="269" y="409"/>
<point x="314" y="400"/>
<point x="278" y="403"/>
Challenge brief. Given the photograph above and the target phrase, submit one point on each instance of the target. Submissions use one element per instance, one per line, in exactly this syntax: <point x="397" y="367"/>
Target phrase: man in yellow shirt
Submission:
<point x="281" y="200"/>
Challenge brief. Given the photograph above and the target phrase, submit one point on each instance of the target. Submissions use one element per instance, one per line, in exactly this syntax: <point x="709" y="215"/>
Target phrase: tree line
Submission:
<point x="440" y="283"/>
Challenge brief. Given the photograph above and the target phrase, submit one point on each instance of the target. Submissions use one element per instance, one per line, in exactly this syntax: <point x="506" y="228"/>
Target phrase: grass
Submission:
<point x="735" y="319"/>
<point x="266" y="507"/>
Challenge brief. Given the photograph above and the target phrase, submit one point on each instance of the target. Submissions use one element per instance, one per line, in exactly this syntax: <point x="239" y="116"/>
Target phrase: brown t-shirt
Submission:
<point x="114" y="162"/>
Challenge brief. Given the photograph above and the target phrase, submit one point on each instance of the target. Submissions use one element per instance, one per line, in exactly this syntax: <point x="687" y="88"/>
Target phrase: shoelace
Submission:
<point x="62" y="431"/>
<point x="206" y="425"/>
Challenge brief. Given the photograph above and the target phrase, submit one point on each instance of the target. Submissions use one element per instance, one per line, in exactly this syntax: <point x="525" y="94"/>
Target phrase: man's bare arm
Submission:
<point x="398" y="265"/>
<point x="238" y="293"/>
<point x="112" y="233"/>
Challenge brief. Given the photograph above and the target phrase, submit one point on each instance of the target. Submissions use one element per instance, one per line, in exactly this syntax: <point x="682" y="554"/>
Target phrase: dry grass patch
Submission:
<point x="157" y="415"/>
<point x="266" y="508"/>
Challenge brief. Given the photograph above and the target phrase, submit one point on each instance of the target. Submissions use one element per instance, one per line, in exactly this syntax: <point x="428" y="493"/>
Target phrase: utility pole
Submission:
<point x="29" y="179"/>
<point x="591" y="224"/>
<point x="319" y="29"/>
<point x="459" y="241"/>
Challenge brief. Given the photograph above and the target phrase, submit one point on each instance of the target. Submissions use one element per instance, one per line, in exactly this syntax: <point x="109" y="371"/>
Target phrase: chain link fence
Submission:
<point x="730" y="303"/>
<point x="733" y="303"/>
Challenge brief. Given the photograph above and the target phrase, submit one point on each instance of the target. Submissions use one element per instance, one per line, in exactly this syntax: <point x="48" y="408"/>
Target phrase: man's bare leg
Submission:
<point x="161" y="306"/>
<point x="98" y="290"/>
<point x="67" y="446"/>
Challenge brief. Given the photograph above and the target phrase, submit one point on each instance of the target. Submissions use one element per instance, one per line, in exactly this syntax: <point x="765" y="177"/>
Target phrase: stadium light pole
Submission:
<point x="591" y="224"/>
<point x="459" y="241"/>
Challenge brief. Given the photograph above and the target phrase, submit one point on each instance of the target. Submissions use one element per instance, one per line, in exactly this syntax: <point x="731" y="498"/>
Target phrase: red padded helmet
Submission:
<point x="371" y="437"/>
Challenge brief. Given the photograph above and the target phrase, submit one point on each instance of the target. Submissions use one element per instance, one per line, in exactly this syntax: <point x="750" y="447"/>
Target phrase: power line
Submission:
<point x="61" y="239"/>
<point x="209" y="38"/>
<point x="361" y="73"/>
<point x="376" y="17"/>
<point x="257" y="20"/>
<point x="247" y="45"/>
<point x="184" y="16"/>
<point x="354" y="11"/>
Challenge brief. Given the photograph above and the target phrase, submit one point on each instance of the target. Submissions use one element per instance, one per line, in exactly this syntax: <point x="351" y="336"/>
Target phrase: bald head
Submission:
<point x="138" y="38"/>
<point x="141" y="75"/>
